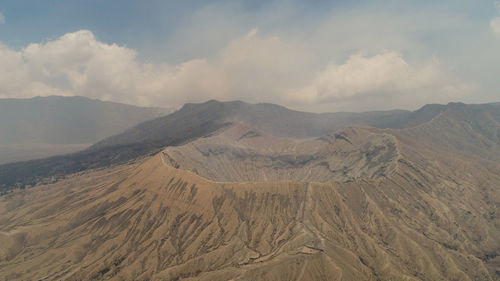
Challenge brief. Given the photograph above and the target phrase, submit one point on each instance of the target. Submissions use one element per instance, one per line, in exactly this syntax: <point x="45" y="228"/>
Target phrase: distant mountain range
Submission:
<point x="44" y="126"/>
<point x="197" y="120"/>
<point x="236" y="191"/>
<point x="273" y="118"/>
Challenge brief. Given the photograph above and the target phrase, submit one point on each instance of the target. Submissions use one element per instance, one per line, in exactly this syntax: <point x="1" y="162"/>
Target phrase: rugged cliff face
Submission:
<point x="357" y="204"/>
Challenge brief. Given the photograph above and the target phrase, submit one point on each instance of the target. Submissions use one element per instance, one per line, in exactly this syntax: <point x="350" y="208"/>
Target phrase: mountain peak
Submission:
<point x="456" y="104"/>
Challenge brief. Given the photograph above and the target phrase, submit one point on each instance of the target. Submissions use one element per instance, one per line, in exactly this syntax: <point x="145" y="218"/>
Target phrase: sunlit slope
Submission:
<point x="430" y="217"/>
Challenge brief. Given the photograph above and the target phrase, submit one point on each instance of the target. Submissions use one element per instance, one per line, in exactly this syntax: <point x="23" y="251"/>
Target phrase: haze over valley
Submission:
<point x="45" y="126"/>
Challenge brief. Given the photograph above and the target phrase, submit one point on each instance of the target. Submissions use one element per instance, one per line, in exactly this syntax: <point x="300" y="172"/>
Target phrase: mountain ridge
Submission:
<point x="196" y="120"/>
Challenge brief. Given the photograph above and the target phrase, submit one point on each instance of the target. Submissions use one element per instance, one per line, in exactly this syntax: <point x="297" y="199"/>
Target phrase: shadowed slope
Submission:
<point x="270" y="118"/>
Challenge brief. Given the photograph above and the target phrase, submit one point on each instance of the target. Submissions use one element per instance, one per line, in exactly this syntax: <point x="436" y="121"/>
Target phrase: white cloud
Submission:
<point x="495" y="22"/>
<point x="385" y="78"/>
<point x="2" y="18"/>
<point x="252" y="68"/>
<point x="78" y="64"/>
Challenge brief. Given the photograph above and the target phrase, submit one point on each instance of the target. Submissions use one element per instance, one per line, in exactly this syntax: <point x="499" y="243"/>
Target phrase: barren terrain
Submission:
<point x="241" y="204"/>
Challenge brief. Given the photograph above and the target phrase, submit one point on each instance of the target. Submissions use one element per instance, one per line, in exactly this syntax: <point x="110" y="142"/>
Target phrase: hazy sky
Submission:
<point x="315" y="56"/>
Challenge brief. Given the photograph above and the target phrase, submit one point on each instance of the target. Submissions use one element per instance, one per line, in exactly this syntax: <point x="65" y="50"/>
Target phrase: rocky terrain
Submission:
<point x="413" y="202"/>
<point x="243" y="153"/>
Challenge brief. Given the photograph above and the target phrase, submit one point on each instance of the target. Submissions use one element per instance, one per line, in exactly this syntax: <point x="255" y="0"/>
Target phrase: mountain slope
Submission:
<point x="433" y="216"/>
<point x="471" y="130"/>
<point x="197" y="120"/>
<point x="47" y="123"/>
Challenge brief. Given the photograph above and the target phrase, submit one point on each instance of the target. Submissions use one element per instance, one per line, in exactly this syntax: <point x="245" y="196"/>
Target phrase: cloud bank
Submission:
<point x="384" y="79"/>
<point x="252" y="68"/>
